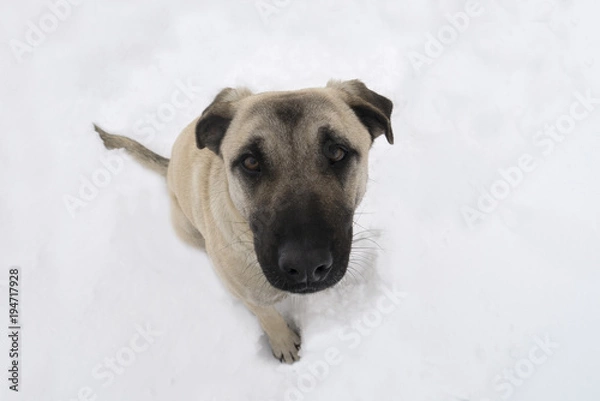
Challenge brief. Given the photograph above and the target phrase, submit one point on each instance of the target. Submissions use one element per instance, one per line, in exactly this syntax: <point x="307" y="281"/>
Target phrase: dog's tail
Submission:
<point x="142" y="154"/>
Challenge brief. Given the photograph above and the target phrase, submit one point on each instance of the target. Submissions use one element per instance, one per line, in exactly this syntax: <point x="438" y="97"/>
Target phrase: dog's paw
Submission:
<point x="285" y="346"/>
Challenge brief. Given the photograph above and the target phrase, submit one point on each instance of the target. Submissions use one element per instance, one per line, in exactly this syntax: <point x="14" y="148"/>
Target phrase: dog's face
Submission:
<point x="296" y="164"/>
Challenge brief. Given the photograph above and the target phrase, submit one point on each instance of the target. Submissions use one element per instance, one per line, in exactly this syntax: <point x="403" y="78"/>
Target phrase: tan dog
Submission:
<point x="268" y="183"/>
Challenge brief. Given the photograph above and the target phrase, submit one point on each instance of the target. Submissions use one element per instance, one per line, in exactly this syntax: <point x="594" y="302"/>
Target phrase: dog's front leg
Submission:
<point x="285" y="343"/>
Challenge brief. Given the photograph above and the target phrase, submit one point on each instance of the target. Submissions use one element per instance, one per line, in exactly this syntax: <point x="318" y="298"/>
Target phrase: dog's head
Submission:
<point x="296" y="165"/>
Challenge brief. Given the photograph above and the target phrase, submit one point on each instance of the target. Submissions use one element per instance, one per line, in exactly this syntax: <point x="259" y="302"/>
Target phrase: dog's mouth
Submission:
<point x="306" y="290"/>
<point x="301" y="289"/>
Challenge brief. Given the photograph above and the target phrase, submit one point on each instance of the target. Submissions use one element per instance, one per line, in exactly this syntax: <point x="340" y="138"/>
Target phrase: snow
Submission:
<point x="474" y="299"/>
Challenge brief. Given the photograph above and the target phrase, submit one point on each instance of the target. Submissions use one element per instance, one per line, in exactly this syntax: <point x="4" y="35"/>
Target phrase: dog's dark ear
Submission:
<point x="215" y="119"/>
<point x="372" y="109"/>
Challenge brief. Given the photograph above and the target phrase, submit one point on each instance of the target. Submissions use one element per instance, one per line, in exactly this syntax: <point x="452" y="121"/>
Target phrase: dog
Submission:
<point x="268" y="185"/>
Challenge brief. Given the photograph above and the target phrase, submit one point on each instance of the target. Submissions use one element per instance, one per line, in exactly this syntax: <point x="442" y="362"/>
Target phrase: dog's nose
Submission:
<point x="301" y="265"/>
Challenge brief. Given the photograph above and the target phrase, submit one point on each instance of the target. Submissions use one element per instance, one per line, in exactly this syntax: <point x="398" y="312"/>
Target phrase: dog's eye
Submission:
<point x="335" y="153"/>
<point x="251" y="164"/>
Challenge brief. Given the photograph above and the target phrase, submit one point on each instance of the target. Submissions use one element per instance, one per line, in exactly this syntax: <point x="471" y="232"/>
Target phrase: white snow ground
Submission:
<point x="476" y="300"/>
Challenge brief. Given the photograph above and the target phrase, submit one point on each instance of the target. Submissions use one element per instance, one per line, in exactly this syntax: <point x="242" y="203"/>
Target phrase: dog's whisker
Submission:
<point x="360" y="262"/>
<point x="364" y="265"/>
<point x="355" y="256"/>
<point x="365" y="233"/>
<point x="365" y="251"/>
<point x="369" y="240"/>
<point x="351" y="274"/>
<point x="364" y="228"/>
<point x="364" y="247"/>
